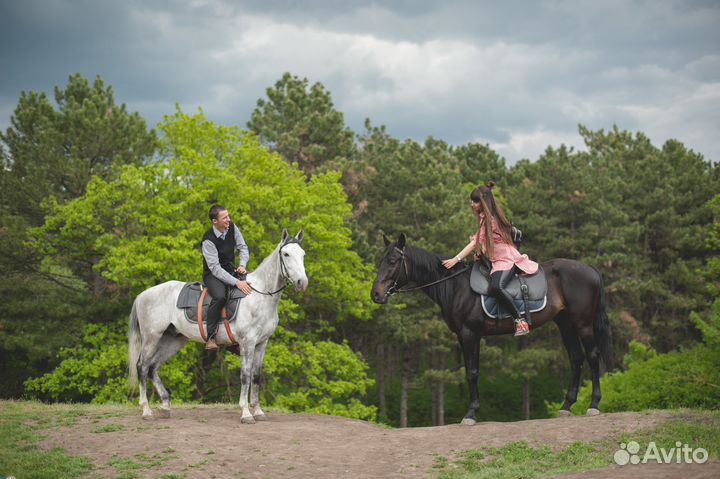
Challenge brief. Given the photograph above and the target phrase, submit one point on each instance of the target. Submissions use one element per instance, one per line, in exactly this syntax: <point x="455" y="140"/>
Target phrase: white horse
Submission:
<point x="158" y="329"/>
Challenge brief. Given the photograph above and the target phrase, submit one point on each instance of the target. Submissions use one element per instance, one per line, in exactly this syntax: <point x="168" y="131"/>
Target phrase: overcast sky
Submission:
<point x="518" y="76"/>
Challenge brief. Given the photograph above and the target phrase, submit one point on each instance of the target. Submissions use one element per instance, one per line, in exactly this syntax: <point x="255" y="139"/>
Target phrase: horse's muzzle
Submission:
<point x="378" y="296"/>
<point x="301" y="284"/>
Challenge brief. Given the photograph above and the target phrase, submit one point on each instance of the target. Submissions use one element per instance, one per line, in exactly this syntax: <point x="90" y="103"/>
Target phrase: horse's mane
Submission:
<point x="426" y="268"/>
<point x="428" y="262"/>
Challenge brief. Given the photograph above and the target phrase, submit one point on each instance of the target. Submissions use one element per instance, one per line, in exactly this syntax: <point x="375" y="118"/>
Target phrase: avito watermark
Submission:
<point x="681" y="453"/>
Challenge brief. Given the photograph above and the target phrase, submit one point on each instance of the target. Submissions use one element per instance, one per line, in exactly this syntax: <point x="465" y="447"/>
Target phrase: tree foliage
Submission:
<point x="300" y="122"/>
<point x="55" y="151"/>
<point x="52" y="149"/>
<point x="634" y="211"/>
<point x="687" y="378"/>
<point x="144" y="227"/>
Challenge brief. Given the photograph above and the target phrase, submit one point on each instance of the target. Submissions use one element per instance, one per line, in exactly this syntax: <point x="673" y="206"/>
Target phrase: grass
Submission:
<point x="24" y="424"/>
<point x="519" y="459"/>
<point x="21" y="427"/>
<point x="127" y="468"/>
<point x="109" y="428"/>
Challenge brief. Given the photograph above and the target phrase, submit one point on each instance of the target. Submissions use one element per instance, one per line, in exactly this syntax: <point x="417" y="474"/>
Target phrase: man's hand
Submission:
<point x="244" y="286"/>
<point x="241" y="270"/>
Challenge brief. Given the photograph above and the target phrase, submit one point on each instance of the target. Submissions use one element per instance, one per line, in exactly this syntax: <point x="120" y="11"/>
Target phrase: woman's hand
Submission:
<point x="449" y="263"/>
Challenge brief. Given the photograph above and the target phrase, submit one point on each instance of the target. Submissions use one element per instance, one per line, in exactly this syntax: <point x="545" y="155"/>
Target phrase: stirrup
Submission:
<point x="521" y="327"/>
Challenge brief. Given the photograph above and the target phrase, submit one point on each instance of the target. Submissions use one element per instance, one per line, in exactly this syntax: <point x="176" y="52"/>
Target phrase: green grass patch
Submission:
<point x="519" y="459"/>
<point x="127" y="468"/>
<point x="109" y="428"/>
<point x="21" y="426"/>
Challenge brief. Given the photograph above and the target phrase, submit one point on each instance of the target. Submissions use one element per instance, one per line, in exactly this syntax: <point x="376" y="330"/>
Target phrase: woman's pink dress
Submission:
<point x="506" y="255"/>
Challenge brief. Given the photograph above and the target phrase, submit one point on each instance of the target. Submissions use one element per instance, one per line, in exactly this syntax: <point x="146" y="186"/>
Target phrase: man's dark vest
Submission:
<point x="225" y="248"/>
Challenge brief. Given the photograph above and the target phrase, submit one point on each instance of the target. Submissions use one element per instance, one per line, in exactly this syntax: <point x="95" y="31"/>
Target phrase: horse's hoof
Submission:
<point x="163" y="413"/>
<point x="260" y="417"/>
<point x="592" y="412"/>
<point x="564" y="413"/>
<point x="248" y="420"/>
<point x="468" y="421"/>
<point x="148" y="417"/>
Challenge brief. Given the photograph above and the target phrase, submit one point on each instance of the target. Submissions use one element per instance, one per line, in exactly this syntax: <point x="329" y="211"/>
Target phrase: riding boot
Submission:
<point x="218" y="293"/>
<point x="499" y="280"/>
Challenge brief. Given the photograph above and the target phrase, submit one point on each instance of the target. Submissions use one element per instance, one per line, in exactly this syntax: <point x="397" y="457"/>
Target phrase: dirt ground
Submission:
<point x="209" y="441"/>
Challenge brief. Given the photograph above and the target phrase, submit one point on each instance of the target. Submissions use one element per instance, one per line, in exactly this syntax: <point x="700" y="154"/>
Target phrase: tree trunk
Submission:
<point x="526" y="398"/>
<point x="433" y="390"/>
<point x="390" y="369"/>
<point x="441" y="394"/>
<point x="381" y="379"/>
<point x="404" y="387"/>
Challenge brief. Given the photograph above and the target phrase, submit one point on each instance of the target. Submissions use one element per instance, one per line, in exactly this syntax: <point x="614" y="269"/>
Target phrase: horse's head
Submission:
<point x="392" y="272"/>
<point x="292" y="259"/>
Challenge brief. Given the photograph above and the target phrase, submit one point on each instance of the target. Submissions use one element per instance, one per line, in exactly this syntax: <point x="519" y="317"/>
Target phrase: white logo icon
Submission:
<point x="681" y="453"/>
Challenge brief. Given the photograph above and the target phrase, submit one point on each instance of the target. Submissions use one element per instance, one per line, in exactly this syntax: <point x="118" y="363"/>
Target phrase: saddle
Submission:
<point x="532" y="300"/>
<point x="190" y="298"/>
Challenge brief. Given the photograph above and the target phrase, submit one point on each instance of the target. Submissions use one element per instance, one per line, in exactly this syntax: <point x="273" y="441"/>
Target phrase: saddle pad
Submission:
<point x="490" y="306"/>
<point x="190" y="296"/>
<point x="537" y="283"/>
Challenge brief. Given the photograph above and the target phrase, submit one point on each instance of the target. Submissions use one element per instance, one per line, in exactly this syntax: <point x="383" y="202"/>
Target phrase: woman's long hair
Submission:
<point x="490" y="209"/>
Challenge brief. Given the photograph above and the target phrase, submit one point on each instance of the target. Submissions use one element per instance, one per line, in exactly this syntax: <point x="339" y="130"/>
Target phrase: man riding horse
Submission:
<point x="219" y="272"/>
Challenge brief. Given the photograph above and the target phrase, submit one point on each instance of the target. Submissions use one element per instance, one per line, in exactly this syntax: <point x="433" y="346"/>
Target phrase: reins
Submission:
<point x="394" y="289"/>
<point x="283" y="272"/>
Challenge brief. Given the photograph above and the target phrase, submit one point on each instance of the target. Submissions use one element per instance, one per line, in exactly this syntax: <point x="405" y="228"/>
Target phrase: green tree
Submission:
<point x="709" y="323"/>
<point x="144" y="226"/>
<point x="55" y="150"/>
<point x="634" y="211"/>
<point x="52" y="149"/>
<point x="300" y="122"/>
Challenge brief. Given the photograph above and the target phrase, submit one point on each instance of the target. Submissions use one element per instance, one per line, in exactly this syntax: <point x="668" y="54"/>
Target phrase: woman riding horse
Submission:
<point x="493" y="239"/>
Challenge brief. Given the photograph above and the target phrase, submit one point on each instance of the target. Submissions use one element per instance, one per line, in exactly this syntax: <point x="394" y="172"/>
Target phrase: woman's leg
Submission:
<point x="498" y="281"/>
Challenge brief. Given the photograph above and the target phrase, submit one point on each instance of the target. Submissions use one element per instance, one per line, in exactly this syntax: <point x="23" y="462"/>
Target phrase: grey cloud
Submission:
<point x="509" y="66"/>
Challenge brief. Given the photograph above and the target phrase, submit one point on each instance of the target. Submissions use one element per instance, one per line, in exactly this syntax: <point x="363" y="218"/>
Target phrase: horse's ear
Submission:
<point x="387" y="241"/>
<point x="284" y="235"/>
<point x="300" y="236"/>
<point x="401" y="241"/>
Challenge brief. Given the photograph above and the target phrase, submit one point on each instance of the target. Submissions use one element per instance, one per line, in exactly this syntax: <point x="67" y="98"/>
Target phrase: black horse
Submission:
<point x="575" y="301"/>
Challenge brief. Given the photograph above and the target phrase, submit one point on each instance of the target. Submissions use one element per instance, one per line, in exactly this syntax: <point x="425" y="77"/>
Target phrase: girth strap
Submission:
<point x="526" y="298"/>
<point x="227" y="327"/>
<point x="200" y="324"/>
<point x="224" y="317"/>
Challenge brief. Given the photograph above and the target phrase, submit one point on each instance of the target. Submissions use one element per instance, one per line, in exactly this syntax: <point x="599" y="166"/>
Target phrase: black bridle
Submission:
<point x="283" y="270"/>
<point x="394" y="288"/>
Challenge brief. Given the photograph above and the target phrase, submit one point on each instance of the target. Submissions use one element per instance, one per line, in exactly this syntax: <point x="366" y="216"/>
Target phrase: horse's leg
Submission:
<point x="167" y="347"/>
<point x="572" y="344"/>
<point x="142" y="373"/>
<point x="257" y="413"/>
<point x="470" y="343"/>
<point x="247" y="353"/>
<point x="147" y="351"/>
<point x="592" y="352"/>
<point x="152" y="341"/>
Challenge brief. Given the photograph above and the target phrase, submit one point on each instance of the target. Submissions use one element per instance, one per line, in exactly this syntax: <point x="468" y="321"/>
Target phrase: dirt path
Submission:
<point x="209" y="441"/>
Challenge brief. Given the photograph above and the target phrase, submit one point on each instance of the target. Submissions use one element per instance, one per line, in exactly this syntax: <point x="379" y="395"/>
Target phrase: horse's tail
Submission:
<point x="603" y="335"/>
<point x="134" y="345"/>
